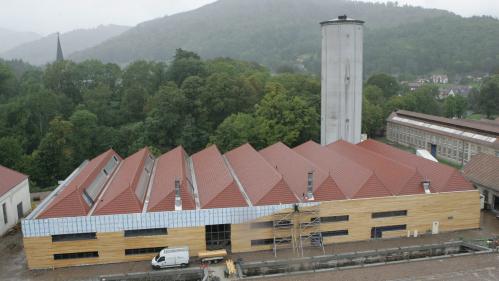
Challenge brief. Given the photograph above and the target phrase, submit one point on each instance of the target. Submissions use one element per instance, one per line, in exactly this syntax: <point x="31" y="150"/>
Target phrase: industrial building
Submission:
<point x="454" y="140"/>
<point x="15" y="201"/>
<point x="112" y="209"/>
<point x="483" y="172"/>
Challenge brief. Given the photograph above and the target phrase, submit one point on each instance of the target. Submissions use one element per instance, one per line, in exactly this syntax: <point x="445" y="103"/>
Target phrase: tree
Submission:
<point x="372" y="118"/>
<point x="133" y="104"/>
<point x="455" y="106"/>
<point x="386" y="83"/>
<point x="11" y="152"/>
<point x="185" y="64"/>
<point x="83" y="137"/>
<point x="488" y="99"/>
<point x="8" y="83"/>
<point x="236" y="130"/>
<point x="285" y="118"/>
<point x="164" y="123"/>
<point x="374" y="95"/>
<point x="63" y="77"/>
<point x="144" y="75"/>
<point x="54" y="156"/>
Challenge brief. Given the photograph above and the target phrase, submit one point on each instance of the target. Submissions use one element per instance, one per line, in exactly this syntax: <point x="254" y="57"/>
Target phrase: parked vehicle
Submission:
<point x="171" y="257"/>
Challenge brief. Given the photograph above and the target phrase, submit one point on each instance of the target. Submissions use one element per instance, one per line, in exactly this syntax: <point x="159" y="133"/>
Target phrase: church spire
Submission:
<point x="59" y="57"/>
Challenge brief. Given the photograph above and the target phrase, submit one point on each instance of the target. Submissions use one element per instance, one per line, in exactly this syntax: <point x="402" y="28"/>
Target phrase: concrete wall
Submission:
<point x="341" y="82"/>
<point x="18" y="194"/>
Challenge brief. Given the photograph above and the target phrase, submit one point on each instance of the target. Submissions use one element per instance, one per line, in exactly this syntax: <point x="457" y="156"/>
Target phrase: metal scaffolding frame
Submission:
<point x="297" y="229"/>
<point x="283" y="231"/>
<point x="309" y="229"/>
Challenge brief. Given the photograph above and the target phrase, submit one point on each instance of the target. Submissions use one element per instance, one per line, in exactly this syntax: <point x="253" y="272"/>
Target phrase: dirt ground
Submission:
<point x="482" y="267"/>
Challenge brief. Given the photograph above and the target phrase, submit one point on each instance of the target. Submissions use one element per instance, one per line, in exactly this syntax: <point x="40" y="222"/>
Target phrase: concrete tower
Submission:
<point x="341" y="80"/>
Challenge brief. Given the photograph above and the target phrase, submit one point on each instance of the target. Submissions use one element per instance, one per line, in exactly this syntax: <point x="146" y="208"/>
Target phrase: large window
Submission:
<point x="342" y="232"/>
<point x="81" y="255"/>
<point x="218" y="236"/>
<point x="399" y="213"/>
<point x="140" y="251"/>
<point x="332" y="218"/>
<point x="263" y="224"/>
<point x="377" y="232"/>
<point x="260" y="242"/>
<point x="73" y="237"/>
<point x="146" y="232"/>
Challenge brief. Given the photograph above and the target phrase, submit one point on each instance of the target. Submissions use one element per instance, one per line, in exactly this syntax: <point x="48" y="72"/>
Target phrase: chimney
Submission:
<point x="310" y="185"/>
<point x="178" y="199"/>
<point x="426" y="186"/>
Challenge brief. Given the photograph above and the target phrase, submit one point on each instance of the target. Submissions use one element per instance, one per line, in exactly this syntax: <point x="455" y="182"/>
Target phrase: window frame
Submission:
<point x="389" y="214"/>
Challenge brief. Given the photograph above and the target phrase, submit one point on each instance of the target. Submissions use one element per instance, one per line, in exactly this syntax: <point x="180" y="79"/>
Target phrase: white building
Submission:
<point x="341" y="85"/>
<point x="14" y="198"/>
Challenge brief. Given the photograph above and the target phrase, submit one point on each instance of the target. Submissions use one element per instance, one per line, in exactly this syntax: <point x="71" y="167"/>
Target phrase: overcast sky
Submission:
<point x="47" y="16"/>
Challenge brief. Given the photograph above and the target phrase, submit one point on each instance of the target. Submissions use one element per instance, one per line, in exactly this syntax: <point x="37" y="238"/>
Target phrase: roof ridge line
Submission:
<point x="104" y="190"/>
<point x="149" y="185"/>
<point x="236" y="179"/>
<point x="194" y="183"/>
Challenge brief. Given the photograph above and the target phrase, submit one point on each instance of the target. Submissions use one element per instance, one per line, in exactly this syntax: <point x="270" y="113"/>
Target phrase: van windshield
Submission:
<point x="156" y="258"/>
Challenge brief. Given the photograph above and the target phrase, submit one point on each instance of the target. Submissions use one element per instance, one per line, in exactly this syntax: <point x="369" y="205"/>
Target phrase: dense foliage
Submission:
<point x="285" y="34"/>
<point x="53" y="119"/>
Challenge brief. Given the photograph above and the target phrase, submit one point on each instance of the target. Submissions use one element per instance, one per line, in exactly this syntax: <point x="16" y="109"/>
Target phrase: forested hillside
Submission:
<point x="41" y="51"/>
<point x="10" y="39"/>
<point x="286" y="33"/>
<point x="53" y="119"/>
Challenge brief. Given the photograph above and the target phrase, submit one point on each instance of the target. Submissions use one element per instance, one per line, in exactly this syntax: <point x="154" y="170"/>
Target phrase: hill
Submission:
<point x="10" y="39"/>
<point x="286" y="33"/>
<point x="43" y="50"/>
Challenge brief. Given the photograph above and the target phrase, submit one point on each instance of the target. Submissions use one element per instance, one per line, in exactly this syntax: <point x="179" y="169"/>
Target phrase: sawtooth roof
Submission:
<point x="9" y="179"/>
<point x="70" y="202"/>
<point x="262" y="183"/>
<point x="244" y="176"/>
<point x="216" y="186"/>
<point x="295" y="168"/>
<point x="170" y="166"/>
<point x="120" y="197"/>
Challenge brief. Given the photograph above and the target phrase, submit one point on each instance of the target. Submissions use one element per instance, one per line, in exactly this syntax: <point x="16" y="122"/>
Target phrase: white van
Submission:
<point x="171" y="257"/>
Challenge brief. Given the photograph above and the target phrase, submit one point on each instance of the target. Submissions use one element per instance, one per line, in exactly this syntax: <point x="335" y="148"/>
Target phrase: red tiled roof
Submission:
<point x="9" y="179"/>
<point x="170" y="167"/>
<point x="483" y="169"/>
<point x="393" y="175"/>
<point x="70" y="201"/>
<point x="215" y="184"/>
<point x="442" y="177"/>
<point x="120" y="195"/>
<point x="348" y="175"/>
<point x="261" y="182"/>
<point x="295" y="168"/>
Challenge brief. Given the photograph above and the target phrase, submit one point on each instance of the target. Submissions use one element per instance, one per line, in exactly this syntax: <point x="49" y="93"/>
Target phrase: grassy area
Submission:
<point x="449" y="163"/>
<point x="478" y="116"/>
<point x="399" y="146"/>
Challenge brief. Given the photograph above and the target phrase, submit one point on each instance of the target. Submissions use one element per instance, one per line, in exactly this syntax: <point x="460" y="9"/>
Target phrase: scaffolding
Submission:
<point x="309" y="229"/>
<point x="283" y="231"/>
<point x="297" y="229"/>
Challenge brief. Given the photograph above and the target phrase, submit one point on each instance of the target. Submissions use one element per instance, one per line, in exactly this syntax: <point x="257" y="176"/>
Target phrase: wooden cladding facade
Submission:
<point x="453" y="211"/>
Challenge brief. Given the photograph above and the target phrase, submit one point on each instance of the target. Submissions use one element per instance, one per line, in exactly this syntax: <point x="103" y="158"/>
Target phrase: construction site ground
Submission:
<point x="481" y="267"/>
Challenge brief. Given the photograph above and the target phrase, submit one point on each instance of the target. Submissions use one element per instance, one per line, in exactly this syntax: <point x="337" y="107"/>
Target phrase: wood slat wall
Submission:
<point x="454" y="211"/>
<point x="111" y="247"/>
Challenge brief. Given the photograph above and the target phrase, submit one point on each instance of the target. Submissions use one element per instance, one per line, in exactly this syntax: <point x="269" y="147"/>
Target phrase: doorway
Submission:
<point x="218" y="237"/>
<point x="433" y="149"/>
<point x="496" y="203"/>
<point x="20" y="210"/>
